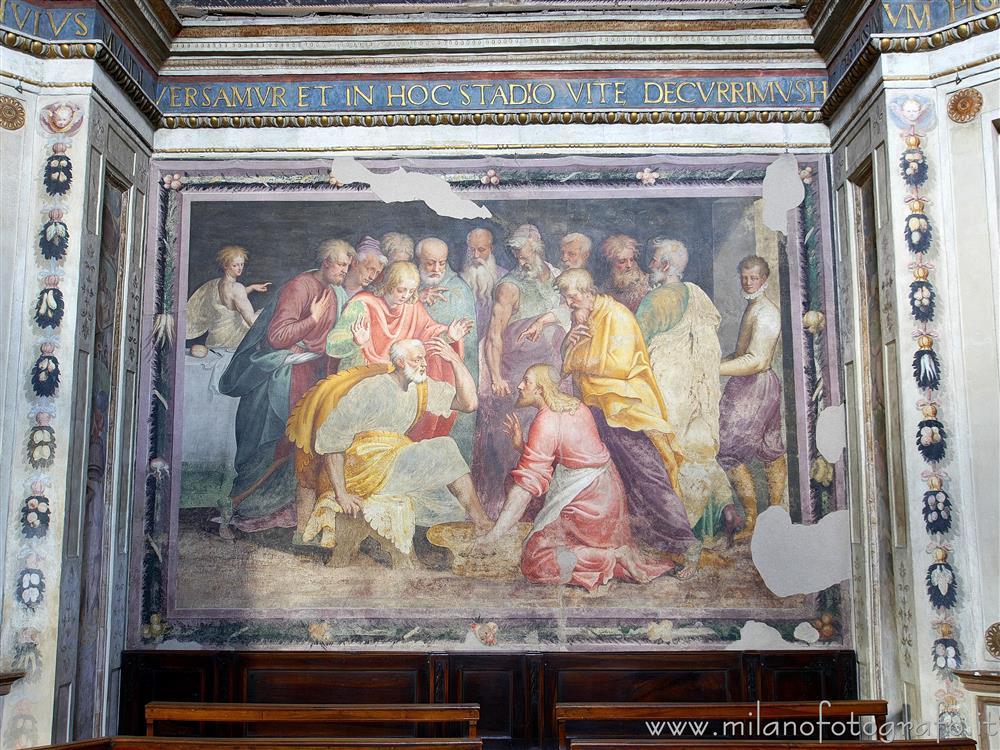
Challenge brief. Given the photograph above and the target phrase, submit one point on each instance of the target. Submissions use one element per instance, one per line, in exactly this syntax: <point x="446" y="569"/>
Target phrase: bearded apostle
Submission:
<point x="279" y="359"/>
<point x="448" y="298"/>
<point x="372" y="323"/>
<point x="626" y="281"/>
<point x="574" y="251"/>
<point x="750" y="412"/>
<point x="367" y="266"/>
<point x="360" y="424"/>
<point x="581" y="535"/>
<point x="523" y="297"/>
<point x="481" y="272"/>
<point x="680" y="326"/>
<point x="607" y="358"/>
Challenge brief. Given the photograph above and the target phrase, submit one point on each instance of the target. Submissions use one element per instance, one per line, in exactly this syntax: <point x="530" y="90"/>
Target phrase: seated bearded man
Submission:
<point x="581" y="535"/>
<point x="361" y="421"/>
<point x="373" y="322"/>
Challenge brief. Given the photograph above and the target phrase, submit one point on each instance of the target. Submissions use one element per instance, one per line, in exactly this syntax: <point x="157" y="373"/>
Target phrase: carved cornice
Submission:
<point x="493" y="28"/>
<point x="895" y="44"/>
<point x="231" y="8"/>
<point x="151" y="32"/>
<point x="830" y="29"/>
<point x="700" y="117"/>
<point x="96" y="51"/>
<point x="491" y="60"/>
<point x="876" y="45"/>
<point x="979" y="681"/>
<point x="942" y="38"/>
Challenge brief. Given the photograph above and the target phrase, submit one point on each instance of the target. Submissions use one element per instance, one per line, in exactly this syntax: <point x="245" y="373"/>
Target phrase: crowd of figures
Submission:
<point x="385" y="389"/>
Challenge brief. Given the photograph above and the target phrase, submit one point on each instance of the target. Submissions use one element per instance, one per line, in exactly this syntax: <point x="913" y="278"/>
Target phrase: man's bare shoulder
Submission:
<point x="507" y="291"/>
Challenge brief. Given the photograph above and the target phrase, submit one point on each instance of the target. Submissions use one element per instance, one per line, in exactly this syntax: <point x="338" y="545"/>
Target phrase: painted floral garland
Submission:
<point x="59" y="122"/>
<point x="915" y="114"/>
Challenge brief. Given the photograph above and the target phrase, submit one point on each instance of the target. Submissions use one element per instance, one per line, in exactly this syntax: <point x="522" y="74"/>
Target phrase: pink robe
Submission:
<point x="293" y="328"/>
<point x="409" y="321"/>
<point x="587" y="531"/>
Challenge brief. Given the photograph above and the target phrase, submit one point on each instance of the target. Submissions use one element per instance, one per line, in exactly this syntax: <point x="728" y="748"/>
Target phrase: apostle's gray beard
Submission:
<point x="427" y="280"/>
<point x="534" y="270"/>
<point x="413" y="375"/>
<point x="482" y="277"/>
<point x="658" y="276"/>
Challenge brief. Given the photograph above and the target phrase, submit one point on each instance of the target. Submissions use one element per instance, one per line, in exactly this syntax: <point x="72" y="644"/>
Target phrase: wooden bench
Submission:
<point x="267" y="743"/>
<point x="309" y="713"/>
<point x="951" y="744"/>
<point x="735" y="712"/>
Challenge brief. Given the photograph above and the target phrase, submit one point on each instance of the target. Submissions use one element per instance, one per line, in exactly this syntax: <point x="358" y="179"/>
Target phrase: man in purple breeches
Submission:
<point x="750" y="410"/>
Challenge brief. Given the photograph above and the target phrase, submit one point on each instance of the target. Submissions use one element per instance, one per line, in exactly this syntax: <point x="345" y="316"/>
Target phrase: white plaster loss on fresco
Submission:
<point x="401" y="186"/>
<point x="800" y="559"/>
<point x="783" y="191"/>
<point x="759" y="636"/>
<point x="806" y="633"/>
<point x="831" y="432"/>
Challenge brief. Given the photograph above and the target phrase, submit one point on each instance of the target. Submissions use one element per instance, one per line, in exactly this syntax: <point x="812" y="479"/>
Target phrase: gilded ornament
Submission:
<point x="11" y="113"/>
<point x="993" y="640"/>
<point x="964" y="105"/>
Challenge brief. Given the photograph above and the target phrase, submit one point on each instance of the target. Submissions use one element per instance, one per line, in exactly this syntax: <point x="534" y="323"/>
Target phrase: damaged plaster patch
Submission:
<point x="783" y="191"/>
<point x="831" y="432"/>
<point x="799" y="558"/>
<point x="806" y="633"/>
<point x="759" y="636"/>
<point x="402" y="186"/>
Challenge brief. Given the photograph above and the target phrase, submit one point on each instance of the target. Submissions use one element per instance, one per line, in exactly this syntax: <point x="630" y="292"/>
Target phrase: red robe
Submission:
<point x="408" y="321"/>
<point x="293" y="328"/>
<point x="594" y="523"/>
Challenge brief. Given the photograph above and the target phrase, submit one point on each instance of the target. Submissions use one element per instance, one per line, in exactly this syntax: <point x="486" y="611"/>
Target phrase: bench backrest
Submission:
<point x="952" y="744"/>
<point x="297" y="713"/>
<point x="721" y="711"/>
<point x="266" y="743"/>
<point x="731" y="712"/>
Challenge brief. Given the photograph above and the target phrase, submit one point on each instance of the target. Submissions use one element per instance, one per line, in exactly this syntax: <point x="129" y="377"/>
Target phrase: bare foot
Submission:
<point x="685" y="573"/>
<point x="692" y="559"/>
<point x="625" y="556"/>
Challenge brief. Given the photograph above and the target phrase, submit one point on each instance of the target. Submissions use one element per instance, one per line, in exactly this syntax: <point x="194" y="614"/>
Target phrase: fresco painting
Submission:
<point x="393" y="427"/>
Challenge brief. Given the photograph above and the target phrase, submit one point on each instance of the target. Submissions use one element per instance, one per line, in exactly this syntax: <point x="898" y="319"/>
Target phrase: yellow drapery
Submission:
<point x="369" y="459"/>
<point x="611" y="370"/>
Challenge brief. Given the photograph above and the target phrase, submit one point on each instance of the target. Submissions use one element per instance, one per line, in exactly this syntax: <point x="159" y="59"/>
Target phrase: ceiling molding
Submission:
<point x="695" y="117"/>
<point x="297" y="8"/>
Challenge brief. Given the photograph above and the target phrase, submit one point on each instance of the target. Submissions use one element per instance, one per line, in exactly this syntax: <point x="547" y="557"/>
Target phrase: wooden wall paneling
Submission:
<point x="639" y="677"/>
<point x="331" y="678"/>
<point x="517" y="693"/>
<point x="164" y="676"/>
<point x="499" y="683"/>
<point x="807" y="676"/>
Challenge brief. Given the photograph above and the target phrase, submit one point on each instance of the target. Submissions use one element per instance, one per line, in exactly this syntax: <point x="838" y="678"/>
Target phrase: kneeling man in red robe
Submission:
<point x="581" y="535"/>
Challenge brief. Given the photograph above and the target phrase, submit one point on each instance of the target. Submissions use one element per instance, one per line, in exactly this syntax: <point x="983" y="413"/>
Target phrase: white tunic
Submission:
<point x="423" y="470"/>
<point x="205" y="311"/>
